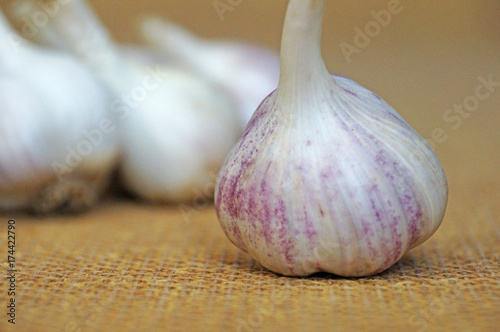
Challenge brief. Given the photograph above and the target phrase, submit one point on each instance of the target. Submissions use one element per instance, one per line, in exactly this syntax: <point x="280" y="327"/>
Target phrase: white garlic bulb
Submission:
<point x="250" y="73"/>
<point x="176" y="127"/>
<point x="327" y="176"/>
<point x="54" y="153"/>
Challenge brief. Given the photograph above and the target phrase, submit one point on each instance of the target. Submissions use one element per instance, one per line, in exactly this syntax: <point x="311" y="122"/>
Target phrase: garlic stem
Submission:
<point x="20" y="10"/>
<point x="4" y="25"/>
<point x="80" y="31"/>
<point x="7" y="36"/>
<point x="84" y="25"/>
<point x="301" y="59"/>
<point x="178" y="41"/>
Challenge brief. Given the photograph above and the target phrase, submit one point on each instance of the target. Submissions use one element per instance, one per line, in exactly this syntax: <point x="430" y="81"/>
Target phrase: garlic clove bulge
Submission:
<point x="327" y="176"/>
<point x="53" y="154"/>
<point x="250" y="73"/>
<point x="176" y="126"/>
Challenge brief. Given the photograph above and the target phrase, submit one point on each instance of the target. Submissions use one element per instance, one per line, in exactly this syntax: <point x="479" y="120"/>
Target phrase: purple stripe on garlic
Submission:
<point x="327" y="176"/>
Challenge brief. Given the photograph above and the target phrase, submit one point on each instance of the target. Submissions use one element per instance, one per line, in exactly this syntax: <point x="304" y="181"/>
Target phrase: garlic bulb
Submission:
<point x="176" y="127"/>
<point x="56" y="146"/>
<point x="327" y="176"/>
<point x="250" y="73"/>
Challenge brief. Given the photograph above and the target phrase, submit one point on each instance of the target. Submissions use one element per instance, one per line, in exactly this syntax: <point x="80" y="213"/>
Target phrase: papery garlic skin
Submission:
<point x="250" y="73"/>
<point x="176" y="127"/>
<point x="49" y="100"/>
<point x="327" y="176"/>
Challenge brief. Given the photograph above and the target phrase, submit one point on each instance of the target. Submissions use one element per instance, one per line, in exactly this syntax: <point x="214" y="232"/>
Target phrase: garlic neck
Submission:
<point x="8" y="38"/>
<point x="79" y="30"/>
<point x="176" y="41"/>
<point x="302" y="66"/>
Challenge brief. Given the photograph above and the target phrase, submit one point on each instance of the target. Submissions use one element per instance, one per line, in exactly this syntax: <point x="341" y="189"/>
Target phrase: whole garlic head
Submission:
<point x="250" y="73"/>
<point x="327" y="176"/>
<point x="51" y="105"/>
<point x="176" y="127"/>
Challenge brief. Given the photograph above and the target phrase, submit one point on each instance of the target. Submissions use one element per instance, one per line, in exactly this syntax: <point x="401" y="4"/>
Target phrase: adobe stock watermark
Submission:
<point x="372" y="29"/>
<point x="456" y="115"/>
<point x="37" y="18"/>
<point x="90" y="41"/>
<point x="255" y="319"/>
<point x="436" y="307"/>
<point x="96" y="47"/>
<point x="13" y="40"/>
<point x="95" y="137"/>
<point x="223" y="6"/>
<point x="88" y="315"/>
<point x="325" y="252"/>
<point x="202" y="198"/>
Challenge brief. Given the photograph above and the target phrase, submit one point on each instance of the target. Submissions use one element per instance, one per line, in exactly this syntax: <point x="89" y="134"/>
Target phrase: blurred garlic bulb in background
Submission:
<point x="250" y="73"/>
<point x="176" y="143"/>
<point x="57" y="146"/>
<point x="176" y="126"/>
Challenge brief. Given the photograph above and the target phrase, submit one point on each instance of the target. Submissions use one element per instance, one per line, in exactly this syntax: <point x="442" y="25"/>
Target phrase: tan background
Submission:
<point x="130" y="266"/>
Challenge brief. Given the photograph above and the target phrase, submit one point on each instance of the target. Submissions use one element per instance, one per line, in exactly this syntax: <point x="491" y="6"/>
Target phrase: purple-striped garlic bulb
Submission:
<point x="327" y="176"/>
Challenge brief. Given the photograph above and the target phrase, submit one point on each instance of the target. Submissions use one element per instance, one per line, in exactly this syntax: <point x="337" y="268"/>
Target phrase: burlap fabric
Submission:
<point x="127" y="266"/>
<point x="135" y="268"/>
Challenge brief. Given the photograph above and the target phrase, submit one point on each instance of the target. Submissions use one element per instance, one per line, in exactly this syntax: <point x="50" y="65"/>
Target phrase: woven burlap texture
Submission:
<point x="128" y="267"/>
